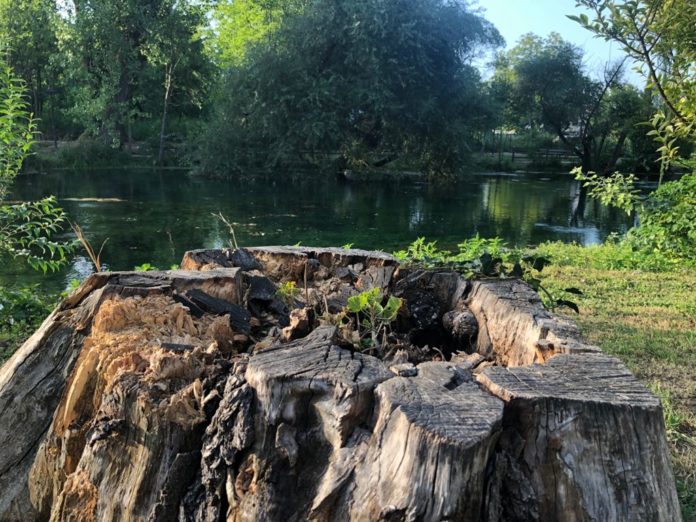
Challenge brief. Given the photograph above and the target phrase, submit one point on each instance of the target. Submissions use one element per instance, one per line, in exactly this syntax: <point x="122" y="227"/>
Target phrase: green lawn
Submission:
<point x="648" y="320"/>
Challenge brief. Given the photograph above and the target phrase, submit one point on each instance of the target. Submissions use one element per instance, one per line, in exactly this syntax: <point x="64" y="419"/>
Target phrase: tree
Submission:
<point x="29" y="27"/>
<point x="124" y="45"/>
<point x="175" y="53"/>
<point x="369" y="81"/>
<point x="660" y="36"/>
<point x="239" y="24"/>
<point x="546" y="86"/>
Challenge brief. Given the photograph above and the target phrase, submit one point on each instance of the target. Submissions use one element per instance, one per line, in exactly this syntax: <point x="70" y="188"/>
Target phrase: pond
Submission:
<point x="153" y="216"/>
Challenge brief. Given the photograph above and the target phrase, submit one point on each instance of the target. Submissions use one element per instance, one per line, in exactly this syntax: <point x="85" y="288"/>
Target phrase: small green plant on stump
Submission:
<point x="373" y="318"/>
<point x="288" y="293"/>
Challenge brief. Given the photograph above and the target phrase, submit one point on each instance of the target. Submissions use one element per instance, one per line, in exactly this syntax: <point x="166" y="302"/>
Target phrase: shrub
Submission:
<point x="668" y="221"/>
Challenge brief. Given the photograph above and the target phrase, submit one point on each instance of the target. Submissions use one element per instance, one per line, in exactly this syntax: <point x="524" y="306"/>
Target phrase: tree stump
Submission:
<point x="176" y="396"/>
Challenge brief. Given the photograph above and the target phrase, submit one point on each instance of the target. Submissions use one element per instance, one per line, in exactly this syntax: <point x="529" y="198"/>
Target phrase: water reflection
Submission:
<point x="154" y="216"/>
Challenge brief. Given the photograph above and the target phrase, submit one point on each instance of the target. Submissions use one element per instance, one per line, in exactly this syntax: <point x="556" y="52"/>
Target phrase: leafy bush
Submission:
<point x="667" y="231"/>
<point x="668" y="221"/>
<point x="617" y="190"/>
<point x="27" y="232"/>
<point x="613" y="254"/>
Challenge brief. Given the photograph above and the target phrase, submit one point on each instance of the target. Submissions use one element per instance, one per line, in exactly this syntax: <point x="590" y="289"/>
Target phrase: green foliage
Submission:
<point x="288" y="293"/>
<point x="541" y="83"/>
<point x="145" y="267"/>
<point x="17" y="126"/>
<point x="480" y="258"/>
<point x="72" y="286"/>
<point x="22" y="306"/>
<point x="131" y="61"/>
<point x="469" y="255"/>
<point x="362" y="83"/>
<point x="477" y="246"/>
<point x="21" y="311"/>
<point x="617" y="190"/>
<point x="613" y="254"/>
<point x="659" y="36"/>
<point x="27" y="232"/>
<point x="373" y="317"/>
<point x="421" y="251"/>
<point x="666" y="234"/>
<point x="30" y="28"/>
<point x="668" y="222"/>
<point x="240" y="24"/>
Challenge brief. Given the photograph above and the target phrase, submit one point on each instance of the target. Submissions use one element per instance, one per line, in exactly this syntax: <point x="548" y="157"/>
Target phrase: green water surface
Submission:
<point x="155" y="216"/>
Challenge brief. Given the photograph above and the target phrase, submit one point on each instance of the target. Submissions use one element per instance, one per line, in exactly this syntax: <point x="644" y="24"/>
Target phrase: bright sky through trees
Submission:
<point x="513" y="18"/>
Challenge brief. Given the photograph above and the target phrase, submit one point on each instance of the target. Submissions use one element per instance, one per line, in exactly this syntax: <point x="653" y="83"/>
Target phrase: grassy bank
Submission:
<point x="648" y="320"/>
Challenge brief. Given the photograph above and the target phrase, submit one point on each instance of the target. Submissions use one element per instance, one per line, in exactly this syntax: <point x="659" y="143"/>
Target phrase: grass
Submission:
<point x="648" y="320"/>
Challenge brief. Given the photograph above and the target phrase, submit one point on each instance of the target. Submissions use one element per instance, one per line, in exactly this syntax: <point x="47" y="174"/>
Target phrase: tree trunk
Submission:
<point x="586" y="159"/>
<point x="143" y="398"/>
<point x="616" y="154"/>
<point x="168" y="78"/>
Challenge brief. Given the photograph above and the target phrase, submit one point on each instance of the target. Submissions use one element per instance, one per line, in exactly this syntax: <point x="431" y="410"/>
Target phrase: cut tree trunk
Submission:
<point x="176" y="395"/>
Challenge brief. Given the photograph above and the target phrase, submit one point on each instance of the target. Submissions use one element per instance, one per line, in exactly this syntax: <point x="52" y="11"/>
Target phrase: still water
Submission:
<point x="154" y="216"/>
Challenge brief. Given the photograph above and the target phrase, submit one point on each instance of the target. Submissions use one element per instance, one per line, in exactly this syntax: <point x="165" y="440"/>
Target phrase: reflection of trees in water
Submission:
<point x="514" y="206"/>
<point x="578" y="204"/>
<point x="311" y="209"/>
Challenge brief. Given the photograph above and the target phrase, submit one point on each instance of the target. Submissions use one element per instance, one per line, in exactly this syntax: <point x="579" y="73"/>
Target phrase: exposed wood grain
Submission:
<point x="582" y="440"/>
<point x="514" y="327"/>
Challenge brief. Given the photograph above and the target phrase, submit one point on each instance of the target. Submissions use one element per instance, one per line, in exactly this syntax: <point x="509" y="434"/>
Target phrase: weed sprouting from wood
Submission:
<point x="228" y="224"/>
<point x="372" y="317"/>
<point x="94" y="257"/>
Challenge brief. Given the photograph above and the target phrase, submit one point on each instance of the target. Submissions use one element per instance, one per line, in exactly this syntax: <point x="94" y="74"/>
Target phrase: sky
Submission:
<point x="513" y="18"/>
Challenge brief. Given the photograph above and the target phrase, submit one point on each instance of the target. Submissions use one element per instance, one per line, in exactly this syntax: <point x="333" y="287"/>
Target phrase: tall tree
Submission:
<point x="30" y="30"/>
<point x="545" y="85"/>
<point x="660" y="35"/>
<point x="123" y="44"/>
<point x="371" y="81"/>
<point x="175" y="55"/>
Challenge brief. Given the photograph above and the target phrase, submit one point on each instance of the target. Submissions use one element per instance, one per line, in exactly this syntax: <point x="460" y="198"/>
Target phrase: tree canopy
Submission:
<point x="660" y="36"/>
<point x="369" y="81"/>
<point x="543" y="83"/>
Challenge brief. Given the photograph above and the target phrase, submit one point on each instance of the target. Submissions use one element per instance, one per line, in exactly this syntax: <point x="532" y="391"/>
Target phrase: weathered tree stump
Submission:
<point x="178" y="396"/>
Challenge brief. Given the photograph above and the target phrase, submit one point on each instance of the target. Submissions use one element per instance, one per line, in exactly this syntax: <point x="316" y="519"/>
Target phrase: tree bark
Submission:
<point x="139" y="399"/>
